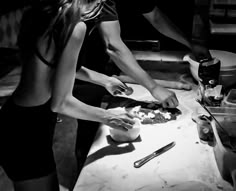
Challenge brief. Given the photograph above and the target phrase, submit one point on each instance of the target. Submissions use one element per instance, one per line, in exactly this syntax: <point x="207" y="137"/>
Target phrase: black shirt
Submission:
<point x="134" y="6"/>
<point x="135" y="26"/>
<point x="130" y="13"/>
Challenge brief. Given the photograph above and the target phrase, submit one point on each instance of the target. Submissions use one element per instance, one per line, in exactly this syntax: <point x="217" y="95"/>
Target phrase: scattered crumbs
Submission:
<point x="197" y="142"/>
<point x="171" y="186"/>
<point x="124" y="176"/>
<point x="166" y="183"/>
<point x="179" y="127"/>
<point x="114" y="167"/>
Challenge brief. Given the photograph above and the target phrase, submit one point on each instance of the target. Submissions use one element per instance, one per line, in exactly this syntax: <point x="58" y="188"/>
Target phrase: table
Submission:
<point x="189" y="165"/>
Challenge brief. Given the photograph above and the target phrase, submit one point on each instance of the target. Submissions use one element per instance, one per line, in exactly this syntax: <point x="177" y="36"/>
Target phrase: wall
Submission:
<point x="9" y="28"/>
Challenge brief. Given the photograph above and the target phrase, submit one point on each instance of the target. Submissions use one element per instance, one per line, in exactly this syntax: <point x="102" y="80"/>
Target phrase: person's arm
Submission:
<point x="62" y="99"/>
<point x="165" y="26"/>
<point x="92" y="76"/>
<point x="125" y="60"/>
<point x="113" y="85"/>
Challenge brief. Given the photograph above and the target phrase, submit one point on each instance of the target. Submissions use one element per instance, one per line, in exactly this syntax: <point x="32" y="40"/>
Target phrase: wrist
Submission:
<point x="104" y="80"/>
<point x="155" y="88"/>
<point x="104" y="116"/>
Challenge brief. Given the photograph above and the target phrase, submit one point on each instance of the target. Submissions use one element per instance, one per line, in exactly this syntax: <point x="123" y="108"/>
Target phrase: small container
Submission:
<point x="230" y="99"/>
<point x="204" y="128"/>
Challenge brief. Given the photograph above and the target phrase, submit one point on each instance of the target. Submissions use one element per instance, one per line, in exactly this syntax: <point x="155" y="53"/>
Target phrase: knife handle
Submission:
<point x="144" y="160"/>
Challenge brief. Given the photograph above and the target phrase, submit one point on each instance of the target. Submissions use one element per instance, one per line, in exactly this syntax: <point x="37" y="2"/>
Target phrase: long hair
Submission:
<point x="50" y="19"/>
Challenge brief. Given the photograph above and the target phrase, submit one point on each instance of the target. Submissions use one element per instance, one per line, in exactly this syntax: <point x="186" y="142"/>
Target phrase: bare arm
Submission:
<point x="165" y="26"/>
<point x="122" y="56"/>
<point x="125" y="60"/>
<point x="112" y="84"/>
<point x="62" y="99"/>
<point x="92" y="76"/>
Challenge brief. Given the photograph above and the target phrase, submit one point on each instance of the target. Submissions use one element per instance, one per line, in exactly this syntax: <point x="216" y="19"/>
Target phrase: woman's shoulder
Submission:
<point x="80" y="29"/>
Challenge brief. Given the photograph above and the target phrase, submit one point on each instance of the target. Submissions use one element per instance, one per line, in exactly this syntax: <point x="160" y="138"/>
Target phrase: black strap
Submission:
<point x="37" y="53"/>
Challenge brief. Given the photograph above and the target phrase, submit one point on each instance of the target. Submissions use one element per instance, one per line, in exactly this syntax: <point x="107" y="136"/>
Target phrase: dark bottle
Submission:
<point x="209" y="72"/>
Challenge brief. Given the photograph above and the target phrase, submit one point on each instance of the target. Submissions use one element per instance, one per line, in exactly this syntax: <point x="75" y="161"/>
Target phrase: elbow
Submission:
<point x="58" y="105"/>
<point x="114" y="47"/>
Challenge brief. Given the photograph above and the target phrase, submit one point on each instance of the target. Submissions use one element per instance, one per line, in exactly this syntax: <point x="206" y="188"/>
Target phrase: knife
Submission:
<point x="144" y="160"/>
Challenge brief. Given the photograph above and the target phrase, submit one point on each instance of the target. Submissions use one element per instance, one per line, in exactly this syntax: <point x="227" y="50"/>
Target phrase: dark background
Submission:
<point x="180" y="12"/>
<point x="134" y="26"/>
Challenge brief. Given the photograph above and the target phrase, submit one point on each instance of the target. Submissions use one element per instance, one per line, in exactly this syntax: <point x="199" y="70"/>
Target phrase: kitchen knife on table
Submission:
<point x="144" y="160"/>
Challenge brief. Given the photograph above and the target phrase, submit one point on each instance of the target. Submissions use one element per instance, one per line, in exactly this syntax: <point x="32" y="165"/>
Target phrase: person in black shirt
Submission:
<point x="106" y="27"/>
<point x="134" y="16"/>
<point x="162" y="20"/>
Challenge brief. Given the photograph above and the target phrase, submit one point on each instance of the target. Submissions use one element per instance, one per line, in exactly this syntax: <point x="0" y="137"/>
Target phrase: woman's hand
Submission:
<point x="166" y="97"/>
<point x="117" y="87"/>
<point x="118" y="118"/>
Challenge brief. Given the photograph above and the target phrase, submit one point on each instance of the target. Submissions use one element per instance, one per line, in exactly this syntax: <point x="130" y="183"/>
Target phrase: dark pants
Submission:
<point x="90" y="94"/>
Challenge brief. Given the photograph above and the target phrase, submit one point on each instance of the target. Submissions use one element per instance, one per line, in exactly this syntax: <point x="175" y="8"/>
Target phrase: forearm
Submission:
<point x="72" y="107"/>
<point x="92" y="76"/>
<point x="163" y="24"/>
<point x="125" y="60"/>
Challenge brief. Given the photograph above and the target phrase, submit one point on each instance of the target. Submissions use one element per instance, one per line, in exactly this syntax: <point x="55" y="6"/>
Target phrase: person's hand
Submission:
<point x="118" y="118"/>
<point x="166" y="97"/>
<point x="200" y="52"/>
<point x="116" y="87"/>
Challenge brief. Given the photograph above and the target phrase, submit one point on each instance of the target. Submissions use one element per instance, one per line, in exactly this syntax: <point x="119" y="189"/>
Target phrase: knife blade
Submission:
<point x="156" y="153"/>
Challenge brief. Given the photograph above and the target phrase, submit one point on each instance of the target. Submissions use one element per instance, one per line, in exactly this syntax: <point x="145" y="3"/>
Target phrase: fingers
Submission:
<point x="129" y="91"/>
<point x="123" y="125"/>
<point x="171" y="102"/>
<point x="126" y="89"/>
<point x="123" y="89"/>
<point x="119" y="90"/>
<point x="120" y="87"/>
<point x="186" y="86"/>
<point x="124" y="122"/>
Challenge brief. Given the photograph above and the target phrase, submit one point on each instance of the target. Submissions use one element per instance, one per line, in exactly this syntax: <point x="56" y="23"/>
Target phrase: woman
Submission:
<point x="50" y="40"/>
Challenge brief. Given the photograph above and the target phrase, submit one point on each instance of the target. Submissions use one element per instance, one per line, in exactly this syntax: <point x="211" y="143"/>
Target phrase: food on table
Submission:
<point x="149" y="112"/>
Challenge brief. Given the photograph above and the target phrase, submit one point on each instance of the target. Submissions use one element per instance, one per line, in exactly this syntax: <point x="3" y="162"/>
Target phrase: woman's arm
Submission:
<point x="112" y="84"/>
<point x="62" y="99"/>
<point x="92" y="76"/>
